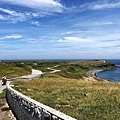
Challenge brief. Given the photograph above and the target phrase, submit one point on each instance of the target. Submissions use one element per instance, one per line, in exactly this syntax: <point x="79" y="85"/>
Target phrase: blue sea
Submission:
<point x="111" y="75"/>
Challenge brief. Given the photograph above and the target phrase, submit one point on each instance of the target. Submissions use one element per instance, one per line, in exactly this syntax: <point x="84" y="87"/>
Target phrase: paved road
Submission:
<point x="34" y="74"/>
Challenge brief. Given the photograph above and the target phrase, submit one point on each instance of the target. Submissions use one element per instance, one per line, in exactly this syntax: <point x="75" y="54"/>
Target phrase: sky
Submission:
<point x="59" y="29"/>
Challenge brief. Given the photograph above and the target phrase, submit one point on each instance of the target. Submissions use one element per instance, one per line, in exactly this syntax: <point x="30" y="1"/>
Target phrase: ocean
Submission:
<point x="111" y="75"/>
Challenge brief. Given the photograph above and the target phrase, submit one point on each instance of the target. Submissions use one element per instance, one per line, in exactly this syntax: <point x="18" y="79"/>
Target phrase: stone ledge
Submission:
<point x="26" y="108"/>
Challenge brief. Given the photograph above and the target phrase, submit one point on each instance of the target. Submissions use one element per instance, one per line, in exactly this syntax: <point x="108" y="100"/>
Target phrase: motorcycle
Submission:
<point x="4" y="81"/>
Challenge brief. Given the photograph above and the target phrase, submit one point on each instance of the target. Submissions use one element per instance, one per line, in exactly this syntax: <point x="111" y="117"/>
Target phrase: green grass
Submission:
<point x="79" y="99"/>
<point x="42" y="65"/>
<point x="12" y="70"/>
<point x="2" y="98"/>
<point x="65" y="91"/>
<point x="72" y="70"/>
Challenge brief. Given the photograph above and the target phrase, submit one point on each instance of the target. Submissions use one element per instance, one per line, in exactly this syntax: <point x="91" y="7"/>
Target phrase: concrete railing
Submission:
<point x="26" y="108"/>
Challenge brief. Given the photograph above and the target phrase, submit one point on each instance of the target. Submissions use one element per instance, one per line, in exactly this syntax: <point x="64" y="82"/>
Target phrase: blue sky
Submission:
<point x="59" y="29"/>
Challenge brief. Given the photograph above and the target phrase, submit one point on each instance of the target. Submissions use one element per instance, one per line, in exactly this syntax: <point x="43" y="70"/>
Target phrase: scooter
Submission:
<point x="4" y="81"/>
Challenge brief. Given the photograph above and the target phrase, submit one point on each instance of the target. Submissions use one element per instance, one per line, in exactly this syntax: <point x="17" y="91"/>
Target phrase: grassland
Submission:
<point x="2" y="98"/>
<point x="12" y="70"/>
<point x="68" y="90"/>
<point x="79" y="99"/>
<point x="72" y="70"/>
<point x="69" y="93"/>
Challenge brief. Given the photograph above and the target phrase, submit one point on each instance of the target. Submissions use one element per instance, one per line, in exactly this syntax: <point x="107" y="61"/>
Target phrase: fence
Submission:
<point x="26" y="108"/>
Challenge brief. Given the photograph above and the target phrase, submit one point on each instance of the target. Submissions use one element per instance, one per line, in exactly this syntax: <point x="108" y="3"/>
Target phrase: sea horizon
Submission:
<point x="69" y="59"/>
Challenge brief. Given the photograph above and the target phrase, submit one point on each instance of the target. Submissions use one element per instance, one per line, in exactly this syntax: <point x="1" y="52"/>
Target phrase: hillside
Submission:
<point x="69" y="90"/>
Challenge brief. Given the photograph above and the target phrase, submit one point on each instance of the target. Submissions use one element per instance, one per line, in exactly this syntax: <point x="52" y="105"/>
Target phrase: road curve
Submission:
<point x="34" y="74"/>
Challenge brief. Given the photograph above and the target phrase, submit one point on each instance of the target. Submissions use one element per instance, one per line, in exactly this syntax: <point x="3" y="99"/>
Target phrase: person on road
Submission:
<point x="4" y="80"/>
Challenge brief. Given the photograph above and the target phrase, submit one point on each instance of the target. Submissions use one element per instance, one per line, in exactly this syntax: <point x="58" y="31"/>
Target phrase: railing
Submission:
<point x="26" y="108"/>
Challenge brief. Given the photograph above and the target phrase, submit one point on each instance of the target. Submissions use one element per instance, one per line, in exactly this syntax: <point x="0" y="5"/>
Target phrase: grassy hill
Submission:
<point x="68" y="92"/>
<point x="72" y="70"/>
<point x="14" y="69"/>
<point x="77" y="98"/>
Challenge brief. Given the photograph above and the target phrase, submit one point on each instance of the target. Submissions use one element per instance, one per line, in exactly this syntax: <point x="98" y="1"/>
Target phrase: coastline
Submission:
<point x="93" y="74"/>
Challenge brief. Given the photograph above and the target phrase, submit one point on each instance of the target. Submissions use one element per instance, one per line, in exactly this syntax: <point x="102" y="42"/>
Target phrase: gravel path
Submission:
<point x="35" y="74"/>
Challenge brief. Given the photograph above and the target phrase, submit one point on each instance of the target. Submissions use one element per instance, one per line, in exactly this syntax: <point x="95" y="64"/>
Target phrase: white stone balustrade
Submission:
<point x="26" y="108"/>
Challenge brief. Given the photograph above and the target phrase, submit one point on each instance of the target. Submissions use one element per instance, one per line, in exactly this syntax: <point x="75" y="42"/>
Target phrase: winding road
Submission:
<point x="34" y="74"/>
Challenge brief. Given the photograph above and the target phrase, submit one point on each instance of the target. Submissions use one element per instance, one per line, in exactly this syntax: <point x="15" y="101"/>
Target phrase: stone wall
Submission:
<point x="26" y="108"/>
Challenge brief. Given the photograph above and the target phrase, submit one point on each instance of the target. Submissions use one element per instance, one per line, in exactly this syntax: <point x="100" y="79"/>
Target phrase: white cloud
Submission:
<point x="13" y="36"/>
<point x="50" y="5"/>
<point x="35" y="23"/>
<point x="60" y="40"/>
<point x="76" y="39"/>
<point x="68" y="32"/>
<point x="76" y="31"/>
<point x="1" y="17"/>
<point x="107" y="23"/>
<point x="91" y="24"/>
<point x="12" y="15"/>
<point x="100" y="23"/>
<point x="100" y="5"/>
<point x="38" y="8"/>
<point x="9" y="12"/>
<point x="105" y="5"/>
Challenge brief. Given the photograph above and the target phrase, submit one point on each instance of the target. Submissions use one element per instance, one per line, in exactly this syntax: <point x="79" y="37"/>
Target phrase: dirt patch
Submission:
<point x="90" y="79"/>
<point x="6" y="114"/>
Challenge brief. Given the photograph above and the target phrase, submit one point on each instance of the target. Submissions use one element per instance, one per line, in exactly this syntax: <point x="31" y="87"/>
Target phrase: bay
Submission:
<point x="112" y="75"/>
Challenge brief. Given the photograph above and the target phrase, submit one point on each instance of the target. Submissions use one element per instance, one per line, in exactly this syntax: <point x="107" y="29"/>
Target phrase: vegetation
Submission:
<point x="2" y="98"/>
<point x="68" y="69"/>
<point x="13" y="69"/>
<point x="79" y="99"/>
<point x="66" y="90"/>
<point x="72" y="70"/>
